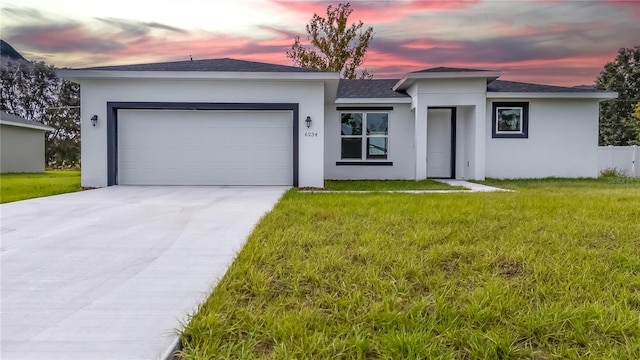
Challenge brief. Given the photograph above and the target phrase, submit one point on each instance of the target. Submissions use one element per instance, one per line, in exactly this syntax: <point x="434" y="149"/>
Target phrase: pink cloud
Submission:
<point x="377" y="11"/>
<point x="632" y="5"/>
<point x="63" y="37"/>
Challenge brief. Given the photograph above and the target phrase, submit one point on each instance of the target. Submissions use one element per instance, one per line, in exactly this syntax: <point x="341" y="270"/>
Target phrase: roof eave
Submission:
<point x="29" y="126"/>
<point x="195" y="75"/>
<point x="410" y="78"/>
<point x="402" y="84"/>
<point x="600" y="96"/>
<point x="402" y="100"/>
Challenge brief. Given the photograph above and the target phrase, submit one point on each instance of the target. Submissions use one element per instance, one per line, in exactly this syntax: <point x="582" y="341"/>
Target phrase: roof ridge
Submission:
<point x="521" y="86"/>
<point x="214" y="65"/>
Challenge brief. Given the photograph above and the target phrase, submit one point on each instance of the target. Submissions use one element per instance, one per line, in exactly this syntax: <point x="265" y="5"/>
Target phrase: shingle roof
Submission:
<point x="225" y="64"/>
<point x="379" y="88"/>
<point x="445" y="69"/>
<point x="587" y="87"/>
<point x="514" y="86"/>
<point x="20" y="121"/>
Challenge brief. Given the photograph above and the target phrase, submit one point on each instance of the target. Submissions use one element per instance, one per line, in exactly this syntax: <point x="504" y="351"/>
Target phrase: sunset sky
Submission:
<point x="542" y="41"/>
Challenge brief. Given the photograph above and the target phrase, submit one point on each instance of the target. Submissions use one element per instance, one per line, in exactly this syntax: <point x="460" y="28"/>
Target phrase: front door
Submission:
<point x="440" y="143"/>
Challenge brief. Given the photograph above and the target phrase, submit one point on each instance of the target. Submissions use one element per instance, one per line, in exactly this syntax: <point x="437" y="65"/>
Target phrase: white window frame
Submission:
<point x="521" y="122"/>
<point x="364" y="157"/>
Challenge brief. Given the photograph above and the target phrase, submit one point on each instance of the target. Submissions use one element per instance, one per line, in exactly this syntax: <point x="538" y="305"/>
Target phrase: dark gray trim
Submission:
<point x="453" y="136"/>
<point x="454" y="128"/>
<point x="112" y="125"/>
<point x="364" y="108"/>
<point x="525" y="120"/>
<point x="364" y="163"/>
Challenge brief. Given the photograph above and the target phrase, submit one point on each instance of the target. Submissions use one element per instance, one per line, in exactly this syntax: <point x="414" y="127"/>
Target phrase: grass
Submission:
<point x="14" y="187"/>
<point x="387" y="185"/>
<point x="603" y="182"/>
<point x="548" y="272"/>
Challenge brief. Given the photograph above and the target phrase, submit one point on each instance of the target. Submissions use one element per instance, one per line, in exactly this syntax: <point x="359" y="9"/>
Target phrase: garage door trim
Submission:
<point x="112" y="124"/>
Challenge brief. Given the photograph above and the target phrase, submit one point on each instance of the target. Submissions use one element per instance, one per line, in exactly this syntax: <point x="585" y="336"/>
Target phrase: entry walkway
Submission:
<point x="473" y="187"/>
<point x="470" y="187"/>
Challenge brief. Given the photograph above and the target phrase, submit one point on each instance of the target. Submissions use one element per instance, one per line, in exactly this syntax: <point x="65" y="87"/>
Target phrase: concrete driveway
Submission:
<point x="111" y="273"/>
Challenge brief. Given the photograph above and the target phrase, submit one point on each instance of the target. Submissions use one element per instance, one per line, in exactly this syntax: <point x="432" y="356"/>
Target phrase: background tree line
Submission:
<point x="620" y="118"/>
<point x="33" y="91"/>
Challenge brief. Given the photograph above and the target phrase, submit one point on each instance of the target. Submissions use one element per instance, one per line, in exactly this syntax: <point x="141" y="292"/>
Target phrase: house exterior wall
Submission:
<point x="465" y="142"/>
<point x="96" y="93"/>
<point x="401" y="147"/>
<point x="22" y="149"/>
<point x="562" y="141"/>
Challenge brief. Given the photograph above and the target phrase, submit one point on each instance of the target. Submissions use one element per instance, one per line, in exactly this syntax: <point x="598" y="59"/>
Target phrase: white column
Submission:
<point x="480" y="139"/>
<point x="421" y="141"/>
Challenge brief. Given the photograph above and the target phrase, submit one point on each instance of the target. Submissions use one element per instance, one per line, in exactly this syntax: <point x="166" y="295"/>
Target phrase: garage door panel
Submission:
<point x="159" y="147"/>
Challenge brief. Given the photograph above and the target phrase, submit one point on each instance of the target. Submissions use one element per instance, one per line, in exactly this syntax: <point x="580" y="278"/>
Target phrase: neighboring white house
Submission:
<point x="21" y="144"/>
<point x="234" y="122"/>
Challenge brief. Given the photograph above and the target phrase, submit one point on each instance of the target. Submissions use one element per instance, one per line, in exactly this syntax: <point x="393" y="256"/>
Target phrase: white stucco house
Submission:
<point x="234" y="122"/>
<point x="21" y="144"/>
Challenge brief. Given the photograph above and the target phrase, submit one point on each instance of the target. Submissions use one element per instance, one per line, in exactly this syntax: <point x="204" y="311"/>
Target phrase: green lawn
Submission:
<point x="618" y="182"/>
<point x="386" y="185"/>
<point x="546" y="272"/>
<point x="14" y="187"/>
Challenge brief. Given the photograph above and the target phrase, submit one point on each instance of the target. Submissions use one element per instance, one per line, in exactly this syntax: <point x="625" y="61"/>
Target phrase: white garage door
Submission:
<point x="203" y="147"/>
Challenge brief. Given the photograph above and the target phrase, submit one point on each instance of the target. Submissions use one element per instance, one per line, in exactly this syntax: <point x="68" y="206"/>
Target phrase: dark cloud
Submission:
<point x="24" y="13"/>
<point x="540" y="44"/>
<point x="40" y="33"/>
<point x="60" y="38"/>
<point x="137" y="28"/>
<point x="282" y="32"/>
<point x="156" y="25"/>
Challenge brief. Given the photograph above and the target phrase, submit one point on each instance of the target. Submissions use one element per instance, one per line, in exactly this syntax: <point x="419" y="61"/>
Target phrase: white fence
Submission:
<point x="621" y="158"/>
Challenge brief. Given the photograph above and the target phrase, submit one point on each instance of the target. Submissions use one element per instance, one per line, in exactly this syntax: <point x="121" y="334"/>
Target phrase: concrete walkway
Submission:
<point x="473" y="187"/>
<point x="111" y="273"/>
<point x="470" y="187"/>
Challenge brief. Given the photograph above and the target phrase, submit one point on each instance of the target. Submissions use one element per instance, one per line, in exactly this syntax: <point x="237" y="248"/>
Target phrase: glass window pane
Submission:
<point x="351" y="124"/>
<point x="352" y="148"/>
<point x="377" y="124"/>
<point x="509" y="119"/>
<point x="377" y="147"/>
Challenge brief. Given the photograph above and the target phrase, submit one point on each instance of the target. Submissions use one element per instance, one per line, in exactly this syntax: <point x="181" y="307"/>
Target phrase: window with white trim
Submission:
<point x="364" y="136"/>
<point x="510" y="120"/>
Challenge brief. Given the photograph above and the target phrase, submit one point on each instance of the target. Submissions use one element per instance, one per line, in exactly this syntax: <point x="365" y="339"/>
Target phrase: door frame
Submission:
<point x="453" y="138"/>
<point x="112" y="125"/>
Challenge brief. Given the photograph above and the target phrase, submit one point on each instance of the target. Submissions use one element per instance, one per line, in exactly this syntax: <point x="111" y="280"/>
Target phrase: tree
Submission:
<point x="34" y="92"/>
<point x="637" y="112"/>
<point x="617" y="123"/>
<point x="335" y="47"/>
